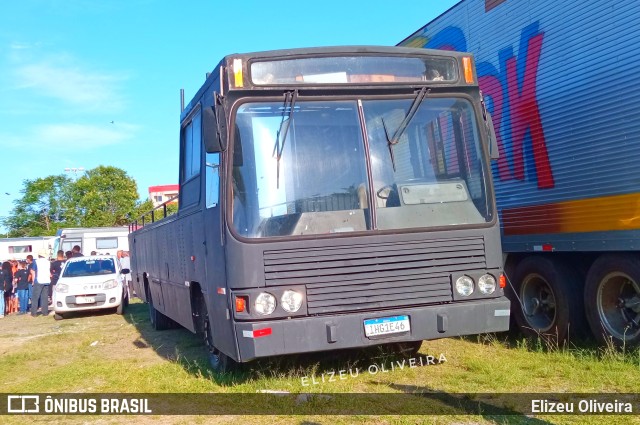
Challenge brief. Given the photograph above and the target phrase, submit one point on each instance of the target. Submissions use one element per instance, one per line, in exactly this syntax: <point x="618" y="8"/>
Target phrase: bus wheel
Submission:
<point x="220" y="362"/>
<point x="544" y="302"/>
<point x="612" y="300"/>
<point x="159" y="321"/>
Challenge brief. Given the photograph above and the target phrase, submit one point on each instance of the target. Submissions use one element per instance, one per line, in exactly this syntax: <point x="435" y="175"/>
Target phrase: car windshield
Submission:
<point x="424" y="154"/>
<point x="89" y="267"/>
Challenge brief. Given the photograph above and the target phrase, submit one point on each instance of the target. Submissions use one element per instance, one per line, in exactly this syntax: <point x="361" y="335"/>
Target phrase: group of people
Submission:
<point x="27" y="286"/>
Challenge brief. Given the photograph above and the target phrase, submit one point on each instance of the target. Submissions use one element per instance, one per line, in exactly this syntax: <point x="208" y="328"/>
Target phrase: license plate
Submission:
<point x="85" y="300"/>
<point x="386" y="326"/>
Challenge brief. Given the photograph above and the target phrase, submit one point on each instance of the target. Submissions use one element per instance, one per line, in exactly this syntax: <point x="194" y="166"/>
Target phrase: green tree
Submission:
<point x="105" y="196"/>
<point x="45" y="206"/>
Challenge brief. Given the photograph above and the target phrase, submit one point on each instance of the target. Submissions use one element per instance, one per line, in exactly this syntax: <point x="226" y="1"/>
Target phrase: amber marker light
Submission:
<point x="467" y="66"/>
<point x="503" y="281"/>
<point x="237" y="73"/>
<point x="241" y="304"/>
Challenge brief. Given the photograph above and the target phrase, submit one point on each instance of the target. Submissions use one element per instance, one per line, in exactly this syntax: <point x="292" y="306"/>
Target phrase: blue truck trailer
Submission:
<point x="558" y="79"/>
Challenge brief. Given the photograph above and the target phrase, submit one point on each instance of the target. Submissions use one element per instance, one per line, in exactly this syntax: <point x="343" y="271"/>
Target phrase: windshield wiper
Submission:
<point x="405" y="123"/>
<point x="289" y="99"/>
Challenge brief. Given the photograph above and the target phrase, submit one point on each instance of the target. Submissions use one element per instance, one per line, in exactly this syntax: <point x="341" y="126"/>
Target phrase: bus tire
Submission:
<point x="220" y="362"/>
<point x="612" y="300"/>
<point x="159" y="321"/>
<point x="544" y="301"/>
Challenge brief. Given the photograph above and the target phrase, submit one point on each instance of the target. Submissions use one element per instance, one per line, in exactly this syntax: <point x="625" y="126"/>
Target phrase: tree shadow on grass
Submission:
<point x="498" y="408"/>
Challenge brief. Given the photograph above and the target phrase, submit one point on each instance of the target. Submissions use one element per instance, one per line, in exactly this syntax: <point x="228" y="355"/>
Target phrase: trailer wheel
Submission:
<point x="544" y="301"/>
<point x="612" y="300"/>
<point x="220" y="362"/>
<point x="159" y="321"/>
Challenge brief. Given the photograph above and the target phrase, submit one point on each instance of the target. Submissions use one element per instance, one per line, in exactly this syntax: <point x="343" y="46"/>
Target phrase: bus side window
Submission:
<point x="191" y="154"/>
<point x="212" y="179"/>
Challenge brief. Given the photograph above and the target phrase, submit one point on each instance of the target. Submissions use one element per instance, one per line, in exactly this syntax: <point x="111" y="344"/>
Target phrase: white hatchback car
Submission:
<point x="90" y="283"/>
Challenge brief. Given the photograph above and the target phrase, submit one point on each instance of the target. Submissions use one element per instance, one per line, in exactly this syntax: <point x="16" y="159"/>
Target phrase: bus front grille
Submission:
<point x="374" y="276"/>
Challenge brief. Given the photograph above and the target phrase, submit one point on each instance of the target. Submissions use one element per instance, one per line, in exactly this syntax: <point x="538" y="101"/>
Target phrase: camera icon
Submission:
<point x="23" y="404"/>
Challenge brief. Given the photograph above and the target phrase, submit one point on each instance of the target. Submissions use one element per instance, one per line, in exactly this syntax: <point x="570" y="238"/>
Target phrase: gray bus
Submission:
<point x="330" y="198"/>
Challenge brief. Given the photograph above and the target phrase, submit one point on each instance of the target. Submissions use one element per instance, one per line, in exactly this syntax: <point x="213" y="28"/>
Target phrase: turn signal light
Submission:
<point x="241" y="304"/>
<point x="503" y="281"/>
<point x="468" y="69"/>
<point x="237" y="73"/>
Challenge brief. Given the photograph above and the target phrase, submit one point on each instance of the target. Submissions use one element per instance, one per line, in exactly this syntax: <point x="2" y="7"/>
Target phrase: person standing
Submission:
<point x="125" y="263"/>
<point x="56" y="269"/>
<point x="41" y="282"/>
<point x="22" y="288"/>
<point x="30" y="275"/>
<point x="7" y="287"/>
<point x="75" y="251"/>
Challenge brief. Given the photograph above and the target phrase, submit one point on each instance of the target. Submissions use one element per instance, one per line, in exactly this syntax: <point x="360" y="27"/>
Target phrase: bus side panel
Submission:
<point x="183" y="258"/>
<point x="558" y="83"/>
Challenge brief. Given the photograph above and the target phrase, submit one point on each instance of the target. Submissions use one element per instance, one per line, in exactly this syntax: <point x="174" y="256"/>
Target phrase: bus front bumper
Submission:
<point x="334" y="332"/>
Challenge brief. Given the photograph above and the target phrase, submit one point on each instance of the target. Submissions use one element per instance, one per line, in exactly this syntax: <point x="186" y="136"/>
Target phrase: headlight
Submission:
<point x="464" y="286"/>
<point x="110" y="284"/>
<point x="291" y="301"/>
<point x="487" y="284"/>
<point x="63" y="288"/>
<point x="265" y="303"/>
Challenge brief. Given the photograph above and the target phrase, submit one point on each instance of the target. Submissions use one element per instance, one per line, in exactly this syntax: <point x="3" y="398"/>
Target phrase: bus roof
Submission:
<point x="320" y="67"/>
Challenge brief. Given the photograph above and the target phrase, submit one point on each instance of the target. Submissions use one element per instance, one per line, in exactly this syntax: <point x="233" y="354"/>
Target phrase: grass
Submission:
<point x="106" y="353"/>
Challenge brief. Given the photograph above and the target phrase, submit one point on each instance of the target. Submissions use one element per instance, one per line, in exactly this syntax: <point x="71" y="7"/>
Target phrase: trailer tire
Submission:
<point x="220" y="362"/>
<point x="543" y="301"/>
<point x="159" y="321"/>
<point x="612" y="300"/>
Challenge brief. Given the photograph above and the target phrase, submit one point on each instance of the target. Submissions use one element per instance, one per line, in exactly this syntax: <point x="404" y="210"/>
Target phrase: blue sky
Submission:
<point x="95" y="82"/>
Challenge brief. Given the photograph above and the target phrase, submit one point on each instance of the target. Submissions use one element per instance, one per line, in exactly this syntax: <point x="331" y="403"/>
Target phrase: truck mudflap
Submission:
<point x="320" y="333"/>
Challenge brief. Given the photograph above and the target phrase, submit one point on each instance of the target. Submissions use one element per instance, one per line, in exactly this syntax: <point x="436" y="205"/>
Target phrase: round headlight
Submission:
<point x="291" y="301"/>
<point x="487" y="284"/>
<point x="464" y="286"/>
<point x="265" y="303"/>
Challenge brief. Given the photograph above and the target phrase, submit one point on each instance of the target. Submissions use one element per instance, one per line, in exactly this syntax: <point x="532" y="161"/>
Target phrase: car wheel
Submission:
<point x="58" y="316"/>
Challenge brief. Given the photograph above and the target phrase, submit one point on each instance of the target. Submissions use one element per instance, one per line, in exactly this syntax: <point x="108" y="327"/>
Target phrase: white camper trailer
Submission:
<point x="102" y="240"/>
<point x="19" y="248"/>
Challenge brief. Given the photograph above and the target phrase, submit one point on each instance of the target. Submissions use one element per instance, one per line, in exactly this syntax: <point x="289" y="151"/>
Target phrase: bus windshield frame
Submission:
<point x="336" y="172"/>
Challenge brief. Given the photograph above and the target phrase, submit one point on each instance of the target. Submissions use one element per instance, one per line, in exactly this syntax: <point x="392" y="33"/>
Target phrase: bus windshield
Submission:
<point x="316" y="181"/>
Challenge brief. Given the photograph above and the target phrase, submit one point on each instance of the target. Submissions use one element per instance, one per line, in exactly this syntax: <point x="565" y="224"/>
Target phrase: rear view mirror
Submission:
<point x="491" y="132"/>
<point x="493" y="140"/>
<point x="214" y="128"/>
